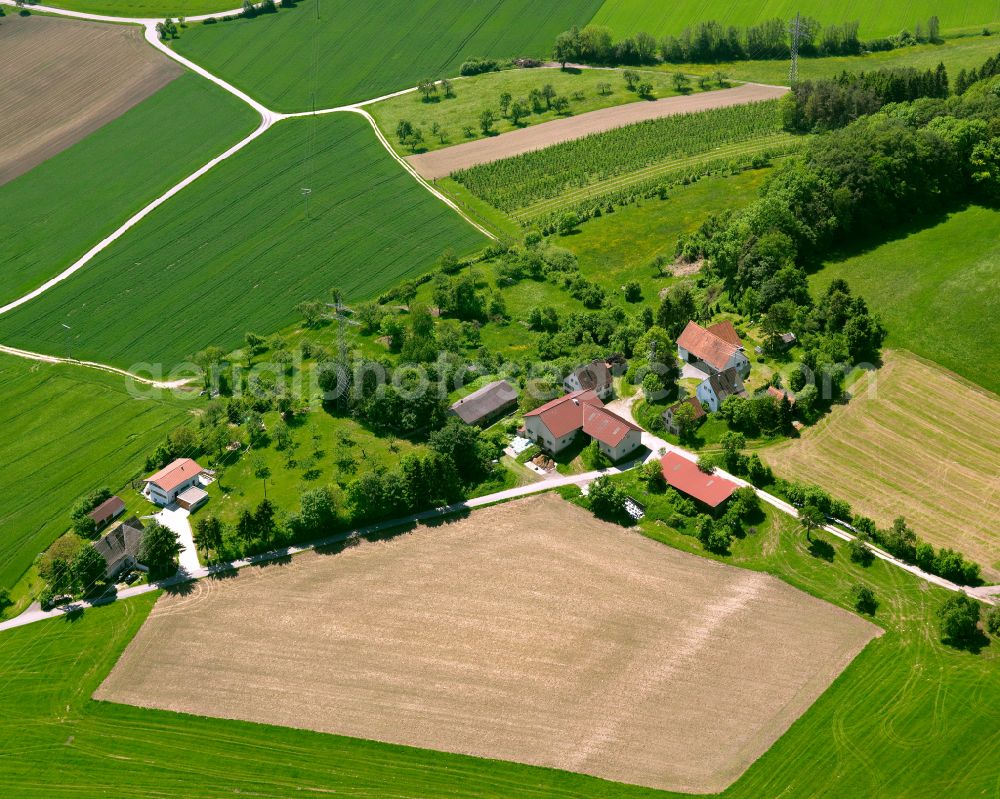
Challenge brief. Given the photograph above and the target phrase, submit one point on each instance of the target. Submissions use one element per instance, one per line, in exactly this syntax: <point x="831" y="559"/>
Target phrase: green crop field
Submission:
<point x="473" y="95"/>
<point x="61" y="208"/>
<point x="521" y="181"/>
<point x="76" y="430"/>
<point x="886" y="18"/>
<point x="936" y="290"/>
<point x="146" y="8"/>
<point x="908" y="718"/>
<point x="338" y="51"/>
<point x="235" y="250"/>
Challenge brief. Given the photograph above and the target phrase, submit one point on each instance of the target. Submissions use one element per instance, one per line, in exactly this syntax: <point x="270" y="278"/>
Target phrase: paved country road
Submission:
<point x="440" y="163"/>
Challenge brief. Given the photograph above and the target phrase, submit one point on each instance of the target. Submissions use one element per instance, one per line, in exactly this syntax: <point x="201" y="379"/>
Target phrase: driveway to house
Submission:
<point x="175" y="518"/>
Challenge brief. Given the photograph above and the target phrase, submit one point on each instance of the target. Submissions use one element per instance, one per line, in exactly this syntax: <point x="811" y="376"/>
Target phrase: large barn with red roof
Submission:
<point x="684" y="475"/>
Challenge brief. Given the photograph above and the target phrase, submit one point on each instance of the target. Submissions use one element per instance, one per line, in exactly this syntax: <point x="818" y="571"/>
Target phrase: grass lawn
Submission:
<point x="877" y="19"/>
<point x="345" y="52"/>
<point x="146" y="8"/>
<point x="235" y="250"/>
<point x="908" y="718"/>
<point x="61" y="208"/>
<point x="936" y="289"/>
<point x="955" y="53"/>
<point x="475" y="94"/>
<point x="69" y="431"/>
<point x="618" y="247"/>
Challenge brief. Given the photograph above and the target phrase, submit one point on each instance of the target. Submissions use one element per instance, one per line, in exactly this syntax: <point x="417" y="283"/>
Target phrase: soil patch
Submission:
<point x="63" y="79"/>
<point x="528" y="631"/>
<point x="440" y="163"/>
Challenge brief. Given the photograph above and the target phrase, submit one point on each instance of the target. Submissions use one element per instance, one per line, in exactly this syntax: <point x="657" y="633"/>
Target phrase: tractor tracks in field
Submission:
<point x="268" y="118"/>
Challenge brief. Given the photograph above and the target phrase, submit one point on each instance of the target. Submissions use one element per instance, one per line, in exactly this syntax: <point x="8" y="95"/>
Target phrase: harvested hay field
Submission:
<point x="440" y="163"/>
<point x="529" y="631"/>
<point x="64" y="79"/>
<point x="915" y="441"/>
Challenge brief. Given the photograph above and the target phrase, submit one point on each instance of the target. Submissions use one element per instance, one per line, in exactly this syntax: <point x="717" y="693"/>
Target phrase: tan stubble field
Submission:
<point x="914" y="441"/>
<point x="529" y="632"/>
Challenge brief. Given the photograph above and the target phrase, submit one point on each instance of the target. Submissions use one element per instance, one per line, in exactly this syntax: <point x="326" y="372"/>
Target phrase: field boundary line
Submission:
<point x="65" y="12"/>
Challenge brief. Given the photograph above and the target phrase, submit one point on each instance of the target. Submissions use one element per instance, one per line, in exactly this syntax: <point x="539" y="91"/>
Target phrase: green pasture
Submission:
<point x="64" y="206"/>
<point x="478" y="93"/>
<point x="332" y="52"/>
<point x="908" y="718"/>
<point x="67" y="431"/>
<point x="936" y="289"/>
<point x="236" y="250"/>
<point x="886" y="18"/>
<point x="146" y="8"/>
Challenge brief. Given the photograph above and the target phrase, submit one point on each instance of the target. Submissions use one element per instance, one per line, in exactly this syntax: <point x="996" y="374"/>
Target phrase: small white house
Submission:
<point x="163" y="487"/>
<point x="713" y="390"/>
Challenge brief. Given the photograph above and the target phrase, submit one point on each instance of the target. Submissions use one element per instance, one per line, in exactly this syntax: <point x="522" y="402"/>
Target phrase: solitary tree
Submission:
<point x="863" y="598"/>
<point x="486" y="120"/>
<point x="959" y="619"/>
<point x="518" y="111"/>
<point x="88" y="568"/>
<point x="631" y="78"/>
<point x="428" y="89"/>
<point x="447" y="88"/>
<point x="548" y="92"/>
<point x="312" y="312"/>
<point x="505" y="101"/>
<point x="811" y="518"/>
<point x="208" y="534"/>
<point x="404" y="129"/>
<point x="681" y="81"/>
<point x="159" y="549"/>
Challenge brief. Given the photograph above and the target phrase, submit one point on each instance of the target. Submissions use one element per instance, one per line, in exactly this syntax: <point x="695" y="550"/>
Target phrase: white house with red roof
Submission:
<point x="173" y="479"/>
<point x="714" y="349"/>
<point x="556" y="424"/>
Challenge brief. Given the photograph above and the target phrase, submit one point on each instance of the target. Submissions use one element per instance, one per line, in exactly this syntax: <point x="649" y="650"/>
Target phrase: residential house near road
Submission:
<point x="713" y="390"/>
<point x="555" y="425"/>
<point x="485" y="405"/>
<point x="111" y="508"/>
<point x="120" y="547"/>
<point x="714" y="349"/>
<point x="595" y="376"/>
<point x="163" y="487"/>
<point x="668" y="414"/>
<point x="709" y="489"/>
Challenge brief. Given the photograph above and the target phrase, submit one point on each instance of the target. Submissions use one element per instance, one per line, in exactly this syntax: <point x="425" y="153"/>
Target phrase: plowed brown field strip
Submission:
<point x="63" y="79"/>
<point x="528" y="631"/>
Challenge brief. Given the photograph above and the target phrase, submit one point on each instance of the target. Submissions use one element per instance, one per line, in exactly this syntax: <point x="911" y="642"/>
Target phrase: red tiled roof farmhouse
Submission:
<point x="562" y="415"/>
<point x="173" y="474"/>
<point x="706" y="346"/>
<point x="779" y="394"/>
<point x="726" y="332"/>
<point x="607" y="427"/>
<point x="684" y="475"/>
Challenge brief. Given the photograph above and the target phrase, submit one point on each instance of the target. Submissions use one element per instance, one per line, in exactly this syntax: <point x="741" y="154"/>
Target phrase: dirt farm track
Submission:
<point x="100" y="72"/>
<point x="528" y="631"/>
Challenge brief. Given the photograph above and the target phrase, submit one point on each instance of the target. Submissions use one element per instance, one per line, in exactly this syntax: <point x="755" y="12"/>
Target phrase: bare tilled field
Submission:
<point x="918" y="442"/>
<point x="528" y="631"/>
<point x="63" y="79"/>
<point x="440" y="163"/>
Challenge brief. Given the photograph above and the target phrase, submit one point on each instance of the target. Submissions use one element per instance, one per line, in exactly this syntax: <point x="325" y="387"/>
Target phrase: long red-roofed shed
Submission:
<point x="684" y="475"/>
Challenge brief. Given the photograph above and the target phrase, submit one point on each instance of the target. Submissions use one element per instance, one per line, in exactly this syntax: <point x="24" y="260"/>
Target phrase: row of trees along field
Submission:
<point x="834" y="102"/>
<point x="711" y="41"/>
<point x="516" y="182"/>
